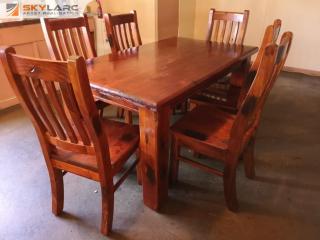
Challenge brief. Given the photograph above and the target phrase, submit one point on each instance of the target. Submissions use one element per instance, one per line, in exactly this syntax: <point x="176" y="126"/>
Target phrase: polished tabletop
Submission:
<point x="155" y="74"/>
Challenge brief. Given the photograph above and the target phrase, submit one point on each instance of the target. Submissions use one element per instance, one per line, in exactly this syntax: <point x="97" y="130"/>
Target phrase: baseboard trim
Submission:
<point x="303" y="71"/>
<point x="8" y="103"/>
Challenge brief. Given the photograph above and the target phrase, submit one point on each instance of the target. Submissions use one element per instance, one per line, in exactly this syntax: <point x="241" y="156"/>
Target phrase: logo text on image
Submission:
<point x="41" y="8"/>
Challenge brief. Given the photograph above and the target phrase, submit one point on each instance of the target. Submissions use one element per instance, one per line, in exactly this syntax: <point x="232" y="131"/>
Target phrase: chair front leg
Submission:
<point x="229" y="182"/>
<point x="107" y="196"/>
<point x="248" y="157"/>
<point x="57" y="191"/>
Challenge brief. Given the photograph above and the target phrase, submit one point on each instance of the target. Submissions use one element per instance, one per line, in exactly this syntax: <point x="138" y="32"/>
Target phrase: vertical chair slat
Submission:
<point x="66" y="42"/>
<point x="228" y="38"/>
<point x="54" y="99"/>
<point x="131" y="35"/>
<point x="216" y="32"/>
<point x="61" y="46"/>
<point x="115" y="34"/>
<point x="37" y="106"/>
<point x="126" y="35"/>
<point x="72" y="106"/>
<point x="223" y="30"/>
<point x="235" y="33"/>
<point x="73" y="42"/>
<point x="82" y="43"/>
<point x="121" y="37"/>
<point x="38" y="87"/>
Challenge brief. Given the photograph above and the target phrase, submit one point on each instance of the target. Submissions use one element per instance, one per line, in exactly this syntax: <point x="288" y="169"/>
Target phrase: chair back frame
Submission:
<point x="249" y="114"/>
<point x="123" y="31"/>
<point x="66" y="37"/>
<point x="58" y="99"/>
<point x="271" y="35"/>
<point x="227" y="27"/>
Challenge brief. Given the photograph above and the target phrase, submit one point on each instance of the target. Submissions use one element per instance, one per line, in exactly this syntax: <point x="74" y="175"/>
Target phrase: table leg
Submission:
<point x="238" y="78"/>
<point x="154" y="154"/>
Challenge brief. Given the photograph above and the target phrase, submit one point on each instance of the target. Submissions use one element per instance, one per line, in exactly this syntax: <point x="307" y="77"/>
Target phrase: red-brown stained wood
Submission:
<point x="58" y="99"/>
<point x="123" y="31"/>
<point x="154" y="153"/>
<point x="227" y="27"/>
<point x="69" y="37"/>
<point x="166" y="73"/>
<point x="225" y="136"/>
<point x="228" y="94"/>
<point x="123" y="34"/>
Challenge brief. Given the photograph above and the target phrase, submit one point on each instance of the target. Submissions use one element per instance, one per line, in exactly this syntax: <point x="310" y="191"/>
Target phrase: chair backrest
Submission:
<point x="284" y="49"/>
<point x="271" y="35"/>
<point x="68" y="37"/>
<point x="227" y="27"/>
<point x="58" y="99"/>
<point x="123" y="31"/>
<point x="248" y="116"/>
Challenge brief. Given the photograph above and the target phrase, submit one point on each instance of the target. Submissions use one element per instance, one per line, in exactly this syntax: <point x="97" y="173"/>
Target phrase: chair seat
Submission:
<point x="100" y="104"/>
<point x="220" y="94"/>
<point x="205" y="125"/>
<point x="123" y="140"/>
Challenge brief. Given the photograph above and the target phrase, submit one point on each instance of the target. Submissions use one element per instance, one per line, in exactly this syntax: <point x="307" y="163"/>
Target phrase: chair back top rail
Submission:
<point x="66" y="37"/>
<point x="227" y="27"/>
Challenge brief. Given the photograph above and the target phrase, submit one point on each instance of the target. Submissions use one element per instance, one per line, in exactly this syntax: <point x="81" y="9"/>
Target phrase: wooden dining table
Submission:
<point x="151" y="80"/>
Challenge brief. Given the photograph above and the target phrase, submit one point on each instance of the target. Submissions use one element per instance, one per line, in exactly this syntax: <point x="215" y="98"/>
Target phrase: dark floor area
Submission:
<point x="283" y="202"/>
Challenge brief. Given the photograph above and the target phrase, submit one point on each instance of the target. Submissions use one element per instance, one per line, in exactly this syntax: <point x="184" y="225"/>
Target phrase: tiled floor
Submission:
<point x="283" y="202"/>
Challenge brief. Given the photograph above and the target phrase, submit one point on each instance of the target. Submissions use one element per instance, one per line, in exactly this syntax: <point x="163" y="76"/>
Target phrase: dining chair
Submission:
<point x="228" y="96"/>
<point x="227" y="27"/>
<point x="123" y="31"/>
<point x="123" y="34"/>
<point x="70" y="36"/>
<point x="225" y="136"/>
<point x="74" y="138"/>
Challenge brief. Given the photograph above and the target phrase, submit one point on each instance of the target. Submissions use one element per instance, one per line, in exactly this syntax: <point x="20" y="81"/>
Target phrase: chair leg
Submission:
<point x="107" y="196"/>
<point x="229" y="182"/>
<point x="174" y="167"/>
<point x="248" y="157"/>
<point x="138" y="168"/>
<point x="101" y="112"/>
<point x="120" y="112"/>
<point x="128" y="117"/>
<point x="57" y="191"/>
<point x="185" y="106"/>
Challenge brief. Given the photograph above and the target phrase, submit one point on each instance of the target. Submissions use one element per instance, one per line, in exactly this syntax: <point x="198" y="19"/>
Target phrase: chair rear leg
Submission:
<point x="57" y="191"/>
<point x="101" y="112"/>
<point x="138" y="168"/>
<point x="107" y="196"/>
<point x="229" y="182"/>
<point x="174" y="167"/>
<point x="248" y="157"/>
<point x="128" y="117"/>
<point x="120" y="112"/>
